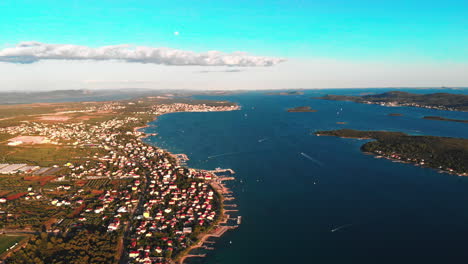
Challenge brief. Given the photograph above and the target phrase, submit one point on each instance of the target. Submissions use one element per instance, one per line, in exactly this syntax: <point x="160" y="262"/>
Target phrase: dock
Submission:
<point x="181" y="158"/>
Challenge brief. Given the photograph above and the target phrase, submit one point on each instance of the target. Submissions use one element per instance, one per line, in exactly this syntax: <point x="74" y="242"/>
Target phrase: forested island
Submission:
<point x="441" y="101"/>
<point x="439" y="118"/>
<point x="442" y="153"/>
<point x="301" y="109"/>
<point x="286" y="93"/>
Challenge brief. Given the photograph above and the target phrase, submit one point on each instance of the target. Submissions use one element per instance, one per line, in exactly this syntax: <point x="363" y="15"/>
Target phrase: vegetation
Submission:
<point x="6" y="241"/>
<point x="449" y="154"/>
<point x="45" y="154"/>
<point x="79" y="246"/>
<point x="444" y="101"/>
<point x="439" y="118"/>
<point x="301" y="109"/>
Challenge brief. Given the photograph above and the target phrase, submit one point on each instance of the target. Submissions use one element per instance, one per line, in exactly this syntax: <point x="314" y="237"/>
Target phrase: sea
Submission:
<point x="310" y="199"/>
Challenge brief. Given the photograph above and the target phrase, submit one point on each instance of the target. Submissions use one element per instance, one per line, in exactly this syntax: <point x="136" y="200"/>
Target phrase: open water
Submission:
<point x="309" y="199"/>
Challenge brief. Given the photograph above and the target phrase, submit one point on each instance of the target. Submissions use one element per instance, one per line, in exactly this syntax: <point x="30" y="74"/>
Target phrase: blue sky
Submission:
<point x="358" y="31"/>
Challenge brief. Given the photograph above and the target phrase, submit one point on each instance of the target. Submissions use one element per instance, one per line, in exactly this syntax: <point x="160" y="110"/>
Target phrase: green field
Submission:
<point x="7" y="241"/>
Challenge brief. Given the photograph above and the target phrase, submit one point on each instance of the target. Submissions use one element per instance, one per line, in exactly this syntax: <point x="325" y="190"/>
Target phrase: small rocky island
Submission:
<point x="301" y="109"/>
<point x="441" y="101"/>
<point x="439" y="118"/>
<point x="442" y="153"/>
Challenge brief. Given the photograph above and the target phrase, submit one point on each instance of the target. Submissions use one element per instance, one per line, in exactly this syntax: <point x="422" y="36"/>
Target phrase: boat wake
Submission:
<point x="340" y="227"/>
<point x="312" y="159"/>
<point x="224" y="154"/>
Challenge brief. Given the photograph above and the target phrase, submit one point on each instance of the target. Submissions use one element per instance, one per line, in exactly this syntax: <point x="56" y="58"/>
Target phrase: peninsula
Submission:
<point x="441" y="101"/>
<point x="439" y="118"/>
<point x="301" y="109"/>
<point x="77" y="176"/>
<point x="441" y="153"/>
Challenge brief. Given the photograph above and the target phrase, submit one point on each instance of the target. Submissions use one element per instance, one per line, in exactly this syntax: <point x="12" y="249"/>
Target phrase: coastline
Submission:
<point x="378" y="156"/>
<point x="221" y="191"/>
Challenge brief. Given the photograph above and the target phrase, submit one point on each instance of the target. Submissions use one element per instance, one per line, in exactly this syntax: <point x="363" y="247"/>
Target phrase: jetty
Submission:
<point x="219" y="170"/>
<point x="181" y="158"/>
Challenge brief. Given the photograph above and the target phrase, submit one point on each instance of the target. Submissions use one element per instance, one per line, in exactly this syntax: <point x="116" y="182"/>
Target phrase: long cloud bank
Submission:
<point x="30" y="52"/>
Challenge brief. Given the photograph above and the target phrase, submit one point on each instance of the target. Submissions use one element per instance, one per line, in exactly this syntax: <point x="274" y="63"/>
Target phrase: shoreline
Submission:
<point x="216" y="230"/>
<point x="379" y="156"/>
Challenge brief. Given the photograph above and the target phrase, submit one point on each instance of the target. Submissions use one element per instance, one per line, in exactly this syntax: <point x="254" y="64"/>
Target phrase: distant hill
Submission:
<point x="443" y="101"/>
<point x="27" y="97"/>
<point x="286" y="93"/>
<point x="52" y="96"/>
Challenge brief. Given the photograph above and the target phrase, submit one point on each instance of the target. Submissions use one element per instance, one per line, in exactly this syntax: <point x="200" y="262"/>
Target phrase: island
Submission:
<point x="442" y="153"/>
<point x="439" y="118"/>
<point x="79" y="184"/>
<point x="286" y="93"/>
<point x="301" y="109"/>
<point x="440" y="101"/>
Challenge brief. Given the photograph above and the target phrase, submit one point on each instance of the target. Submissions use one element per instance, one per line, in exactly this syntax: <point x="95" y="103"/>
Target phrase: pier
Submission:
<point x="192" y="256"/>
<point x="181" y="158"/>
<point x="219" y="170"/>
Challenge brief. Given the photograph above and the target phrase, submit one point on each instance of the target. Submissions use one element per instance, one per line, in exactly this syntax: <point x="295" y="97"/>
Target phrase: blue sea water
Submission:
<point x="290" y="203"/>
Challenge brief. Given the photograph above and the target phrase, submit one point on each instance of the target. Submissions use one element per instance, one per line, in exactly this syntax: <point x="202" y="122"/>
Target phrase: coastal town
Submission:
<point x="411" y="104"/>
<point x="439" y="101"/>
<point x="140" y="202"/>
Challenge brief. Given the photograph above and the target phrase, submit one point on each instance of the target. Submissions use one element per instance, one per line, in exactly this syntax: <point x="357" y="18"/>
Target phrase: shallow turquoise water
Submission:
<point x="390" y="212"/>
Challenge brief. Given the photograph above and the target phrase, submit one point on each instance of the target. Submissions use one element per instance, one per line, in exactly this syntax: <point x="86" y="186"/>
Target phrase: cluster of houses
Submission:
<point x="170" y="208"/>
<point x="421" y="162"/>
<point x="79" y="133"/>
<point x="106" y="107"/>
<point x="181" y="107"/>
<point x="393" y="104"/>
<point x="163" y="198"/>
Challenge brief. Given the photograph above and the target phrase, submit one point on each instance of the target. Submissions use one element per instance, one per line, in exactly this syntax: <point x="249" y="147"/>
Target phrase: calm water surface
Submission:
<point x="388" y="212"/>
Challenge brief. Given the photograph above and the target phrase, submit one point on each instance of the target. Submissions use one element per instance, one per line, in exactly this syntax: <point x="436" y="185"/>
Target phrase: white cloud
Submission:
<point x="29" y="52"/>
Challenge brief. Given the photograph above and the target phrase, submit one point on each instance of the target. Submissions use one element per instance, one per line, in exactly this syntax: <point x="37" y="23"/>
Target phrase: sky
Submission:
<point x="254" y="44"/>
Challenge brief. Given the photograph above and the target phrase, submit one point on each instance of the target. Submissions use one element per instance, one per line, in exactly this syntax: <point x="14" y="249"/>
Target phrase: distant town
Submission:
<point x="440" y="101"/>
